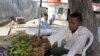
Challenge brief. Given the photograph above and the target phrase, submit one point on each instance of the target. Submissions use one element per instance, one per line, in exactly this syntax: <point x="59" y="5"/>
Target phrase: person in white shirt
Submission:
<point x="44" y="22"/>
<point x="45" y="18"/>
<point x="45" y="26"/>
<point x="75" y="36"/>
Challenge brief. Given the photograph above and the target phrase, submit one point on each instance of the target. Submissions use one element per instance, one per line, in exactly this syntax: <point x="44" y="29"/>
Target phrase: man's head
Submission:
<point x="75" y="20"/>
<point x="45" y="16"/>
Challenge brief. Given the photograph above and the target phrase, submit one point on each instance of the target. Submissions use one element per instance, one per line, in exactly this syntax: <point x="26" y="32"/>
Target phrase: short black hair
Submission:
<point x="78" y="15"/>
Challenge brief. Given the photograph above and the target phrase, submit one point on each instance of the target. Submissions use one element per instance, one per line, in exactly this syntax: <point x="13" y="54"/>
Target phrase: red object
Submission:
<point x="54" y="2"/>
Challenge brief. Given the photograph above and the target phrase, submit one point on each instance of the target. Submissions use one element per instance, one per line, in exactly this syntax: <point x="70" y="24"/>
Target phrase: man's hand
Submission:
<point x="40" y="42"/>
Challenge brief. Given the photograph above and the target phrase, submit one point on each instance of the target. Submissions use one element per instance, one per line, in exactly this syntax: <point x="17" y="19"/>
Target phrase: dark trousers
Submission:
<point x="58" y="52"/>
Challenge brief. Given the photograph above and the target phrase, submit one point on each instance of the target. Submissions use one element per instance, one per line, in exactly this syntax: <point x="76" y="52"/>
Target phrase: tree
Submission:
<point x="85" y="7"/>
<point x="97" y="1"/>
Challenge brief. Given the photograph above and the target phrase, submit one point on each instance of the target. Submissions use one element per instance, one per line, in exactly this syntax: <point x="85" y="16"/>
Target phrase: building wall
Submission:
<point x="54" y="9"/>
<point x="65" y="7"/>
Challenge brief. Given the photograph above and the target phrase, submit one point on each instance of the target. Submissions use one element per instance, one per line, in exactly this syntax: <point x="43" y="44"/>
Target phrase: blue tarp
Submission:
<point x="25" y="8"/>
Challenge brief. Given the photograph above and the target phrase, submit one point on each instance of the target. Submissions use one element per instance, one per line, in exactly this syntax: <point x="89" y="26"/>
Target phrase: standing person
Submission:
<point x="47" y="10"/>
<point x="52" y="19"/>
<point x="68" y="13"/>
<point x="75" y="36"/>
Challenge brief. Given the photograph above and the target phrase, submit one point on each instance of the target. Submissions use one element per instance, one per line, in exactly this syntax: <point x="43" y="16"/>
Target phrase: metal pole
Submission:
<point x="40" y="12"/>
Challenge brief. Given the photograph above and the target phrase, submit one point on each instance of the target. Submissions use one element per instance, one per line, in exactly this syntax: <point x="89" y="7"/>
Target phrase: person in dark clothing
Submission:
<point x="68" y="13"/>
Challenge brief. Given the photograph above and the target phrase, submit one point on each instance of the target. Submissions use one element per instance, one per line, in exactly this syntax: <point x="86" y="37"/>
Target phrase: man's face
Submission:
<point x="73" y="24"/>
<point x="46" y="18"/>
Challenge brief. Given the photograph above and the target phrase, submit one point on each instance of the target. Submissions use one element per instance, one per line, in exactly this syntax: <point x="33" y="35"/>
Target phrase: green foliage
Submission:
<point x="43" y="11"/>
<point x="21" y="47"/>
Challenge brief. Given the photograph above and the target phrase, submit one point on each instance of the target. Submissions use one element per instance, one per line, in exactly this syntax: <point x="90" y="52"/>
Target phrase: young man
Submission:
<point x="52" y="19"/>
<point x="44" y="22"/>
<point x="75" y="36"/>
<point x="45" y="26"/>
<point x="45" y="18"/>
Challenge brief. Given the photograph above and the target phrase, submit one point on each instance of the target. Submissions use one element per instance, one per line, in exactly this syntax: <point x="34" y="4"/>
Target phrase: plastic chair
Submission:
<point x="87" y="45"/>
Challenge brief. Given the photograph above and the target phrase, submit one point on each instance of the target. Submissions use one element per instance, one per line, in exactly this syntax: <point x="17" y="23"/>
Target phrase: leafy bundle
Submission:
<point x="21" y="47"/>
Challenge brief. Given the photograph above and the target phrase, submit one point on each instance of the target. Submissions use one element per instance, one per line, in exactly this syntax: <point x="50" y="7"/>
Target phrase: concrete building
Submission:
<point x="59" y="10"/>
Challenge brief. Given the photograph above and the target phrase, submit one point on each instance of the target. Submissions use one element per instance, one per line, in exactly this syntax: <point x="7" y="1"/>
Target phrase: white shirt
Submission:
<point x="74" y="42"/>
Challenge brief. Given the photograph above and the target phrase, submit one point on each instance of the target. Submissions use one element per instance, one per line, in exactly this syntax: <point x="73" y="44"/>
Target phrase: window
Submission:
<point x="60" y="11"/>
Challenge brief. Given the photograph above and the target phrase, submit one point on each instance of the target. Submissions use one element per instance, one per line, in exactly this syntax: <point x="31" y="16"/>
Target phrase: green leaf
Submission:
<point x="20" y="47"/>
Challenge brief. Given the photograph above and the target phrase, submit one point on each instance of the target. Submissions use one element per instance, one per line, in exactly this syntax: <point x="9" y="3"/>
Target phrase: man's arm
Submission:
<point x="57" y="37"/>
<point x="53" y="38"/>
<point x="49" y="41"/>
